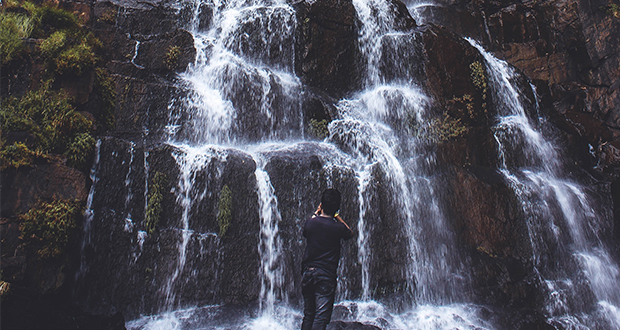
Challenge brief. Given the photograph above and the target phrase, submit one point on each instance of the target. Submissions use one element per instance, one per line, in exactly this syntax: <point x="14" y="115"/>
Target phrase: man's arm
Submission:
<point x="349" y="233"/>
<point x="337" y="217"/>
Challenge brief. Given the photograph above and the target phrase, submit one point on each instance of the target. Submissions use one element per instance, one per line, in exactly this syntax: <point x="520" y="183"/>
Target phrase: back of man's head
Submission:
<point x="330" y="201"/>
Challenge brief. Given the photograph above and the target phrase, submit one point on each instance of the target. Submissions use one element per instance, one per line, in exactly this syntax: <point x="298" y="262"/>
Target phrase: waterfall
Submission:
<point x="377" y="126"/>
<point x="89" y="212"/>
<point x="557" y="209"/>
<point x="237" y="120"/>
<point x="270" y="246"/>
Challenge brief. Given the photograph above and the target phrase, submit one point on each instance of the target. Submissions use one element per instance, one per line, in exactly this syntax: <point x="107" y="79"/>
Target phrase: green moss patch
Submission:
<point x="158" y="186"/>
<point x="318" y="128"/>
<point x="224" y="214"/>
<point x="50" y="226"/>
<point x="56" y="126"/>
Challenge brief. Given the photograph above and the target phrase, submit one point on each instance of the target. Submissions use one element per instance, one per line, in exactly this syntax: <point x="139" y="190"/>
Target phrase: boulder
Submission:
<point x="326" y="43"/>
<point x="23" y="188"/>
<point x="171" y="51"/>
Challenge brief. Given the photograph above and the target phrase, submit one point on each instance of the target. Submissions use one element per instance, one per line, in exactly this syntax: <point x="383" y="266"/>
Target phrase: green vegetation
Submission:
<point x="52" y="121"/>
<point x="154" y="207"/>
<point x="104" y="85"/>
<point x="318" y="128"/>
<point x="172" y="57"/>
<point x="13" y="28"/>
<point x="46" y="114"/>
<point x="224" y="215"/>
<point x="17" y="155"/>
<point x="50" y="226"/>
<point x="480" y="80"/>
<point x="444" y="129"/>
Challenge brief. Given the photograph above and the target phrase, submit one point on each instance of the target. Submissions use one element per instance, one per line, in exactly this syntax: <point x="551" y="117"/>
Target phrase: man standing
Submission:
<point x="323" y="232"/>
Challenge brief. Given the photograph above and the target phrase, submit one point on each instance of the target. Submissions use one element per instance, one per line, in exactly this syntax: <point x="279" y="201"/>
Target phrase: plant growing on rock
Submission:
<point x="443" y="129"/>
<point x="104" y="85"/>
<point x="13" y="28"/>
<point x="224" y="214"/>
<point x="154" y="206"/>
<point x="17" y="155"/>
<point x="50" y="226"/>
<point x="318" y="128"/>
<point x="56" y="127"/>
<point x="480" y="80"/>
<point x="172" y="57"/>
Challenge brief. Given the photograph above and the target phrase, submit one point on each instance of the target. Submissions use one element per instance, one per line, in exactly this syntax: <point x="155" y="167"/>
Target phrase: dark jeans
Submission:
<point x="318" y="291"/>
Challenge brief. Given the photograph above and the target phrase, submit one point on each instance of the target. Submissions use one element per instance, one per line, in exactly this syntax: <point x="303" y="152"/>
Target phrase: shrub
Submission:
<point x="17" y="155"/>
<point x="51" y="119"/>
<point x="53" y="44"/>
<point x="13" y="27"/>
<point x="80" y="151"/>
<point x="440" y="130"/>
<point x="76" y="59"/>
<point x="49" y="18"/>
<point x="50" y="226"/>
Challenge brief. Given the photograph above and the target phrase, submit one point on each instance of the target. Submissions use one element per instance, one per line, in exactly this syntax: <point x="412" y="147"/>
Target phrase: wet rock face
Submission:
<point x="145" y="46"/>
<point x="121" y="247"/>
<point x="489" y="223"/>
<point x="327" y="46"/>
<point x="23" y="188"/>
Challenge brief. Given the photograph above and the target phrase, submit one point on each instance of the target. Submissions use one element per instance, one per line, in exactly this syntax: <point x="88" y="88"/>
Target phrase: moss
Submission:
<point x="55" y="125"/>
<point x="18" y="155"/>
<point x="104" y="85"/>
<point x="50" y="226"/>
<point x="446" y="128"/>
<point x="13" y="27"/>
<point x="154" y="206"/>
<point x="172" y="57"/>
<point x="318" y="128"/>
<point x="224" y="214"/>
<point x="480" y="80"/>
<point x="80" y="151"/>
<point x="53" y="44"/>
<point x="75" y="59"/>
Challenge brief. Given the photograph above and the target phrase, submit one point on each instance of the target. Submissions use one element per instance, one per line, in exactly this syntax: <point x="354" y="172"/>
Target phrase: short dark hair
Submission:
<point x="330" y="201"/>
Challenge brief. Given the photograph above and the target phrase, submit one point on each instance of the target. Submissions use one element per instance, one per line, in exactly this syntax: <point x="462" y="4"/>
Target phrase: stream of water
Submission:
<point x="244" y="98"/>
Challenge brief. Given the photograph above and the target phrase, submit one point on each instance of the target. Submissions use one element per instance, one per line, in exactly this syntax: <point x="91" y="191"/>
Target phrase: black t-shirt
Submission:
<point x="323" y="235"/>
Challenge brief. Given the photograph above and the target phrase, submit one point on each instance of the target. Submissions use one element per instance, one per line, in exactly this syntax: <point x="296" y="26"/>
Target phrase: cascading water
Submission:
<point x="557" y="209"/>
<point x="240" y="118"/>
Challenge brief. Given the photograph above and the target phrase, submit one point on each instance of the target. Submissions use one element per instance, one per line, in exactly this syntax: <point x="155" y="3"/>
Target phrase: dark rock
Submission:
<point x="615" y="194"/>
<point x="458" y="20"/>
<point x="326" y="42"/>
<point x="24" y="187"/>
<point x="486" y="213"/>
<point x="78" y="88"/>
<point x="217" y="265"/>
<point x="341" y="325"/>
<point x="403" y="19"/>
<point x="168" y="51"/>
<point x="488" y="220"/>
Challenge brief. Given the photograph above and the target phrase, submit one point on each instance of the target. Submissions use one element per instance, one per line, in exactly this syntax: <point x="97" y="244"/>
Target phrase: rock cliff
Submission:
<point x="567" y="49"/>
